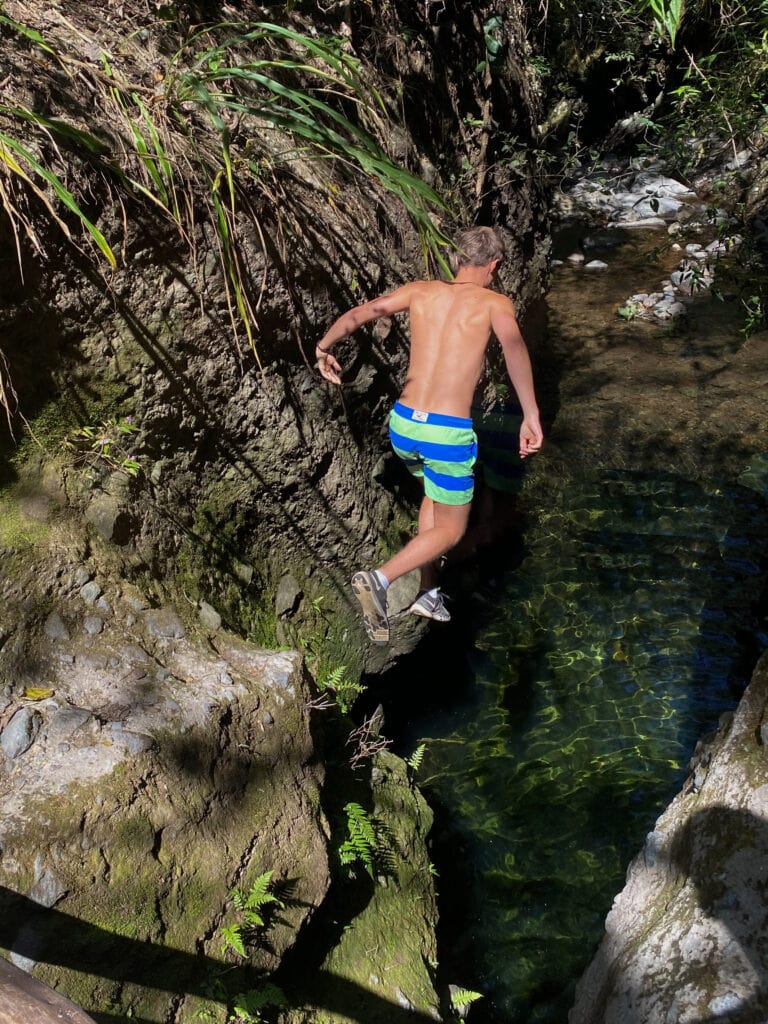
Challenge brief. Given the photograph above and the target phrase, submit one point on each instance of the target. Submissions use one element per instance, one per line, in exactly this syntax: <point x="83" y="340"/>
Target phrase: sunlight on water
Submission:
<point x="613" y="647"/>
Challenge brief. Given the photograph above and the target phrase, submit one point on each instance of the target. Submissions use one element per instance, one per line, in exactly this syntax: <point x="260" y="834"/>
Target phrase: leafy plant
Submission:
<point x="415" y="759"/>
<point x="251" y="905"/>
<point x="755" y="318"/>
<point x="667" y="14"/>
<point x="629" y="311"/>
<point x="360" y="846"/>
<point x="104" y="445"/>
<point x="462" y="999"/>
<point x="239" y="113"/>
<point x="344" y="689"/>
<point x="247" y="1006"/>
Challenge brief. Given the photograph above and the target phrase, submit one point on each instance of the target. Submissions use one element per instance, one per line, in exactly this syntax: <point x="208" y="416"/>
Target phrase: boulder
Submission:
<point x="685" y="940"/>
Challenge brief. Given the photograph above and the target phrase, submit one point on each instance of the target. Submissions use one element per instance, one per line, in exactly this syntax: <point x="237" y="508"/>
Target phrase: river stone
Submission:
<point x="90" y="592"/>
<point x="164" y="623"/>
<point x="109" y="519"/>
<point x="288" y="595"/>
<point x="48" y="889"/>
<point x="137" y="829"/>
<point x="55" y="628"/>
<point x="595" y="265"/>
<point x="19" y="735"/>
<point x="209" y="617"/>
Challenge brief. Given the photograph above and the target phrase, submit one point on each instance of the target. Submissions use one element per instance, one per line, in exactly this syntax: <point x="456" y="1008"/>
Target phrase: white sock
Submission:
<point x="381" y="578"/>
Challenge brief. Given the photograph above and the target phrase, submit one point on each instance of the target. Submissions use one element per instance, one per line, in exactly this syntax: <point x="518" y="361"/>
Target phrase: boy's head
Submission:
<point x="477" y="247"/>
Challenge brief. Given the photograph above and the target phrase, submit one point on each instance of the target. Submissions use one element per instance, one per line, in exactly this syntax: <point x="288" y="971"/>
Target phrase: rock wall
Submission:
<point x="151" y="764"/>
<point x="685" y="941"/>
<point x="257" y="480"/>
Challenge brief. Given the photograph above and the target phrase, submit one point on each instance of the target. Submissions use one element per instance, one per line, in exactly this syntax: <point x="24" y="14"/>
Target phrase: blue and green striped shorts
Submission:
<point x="441" y="449"/>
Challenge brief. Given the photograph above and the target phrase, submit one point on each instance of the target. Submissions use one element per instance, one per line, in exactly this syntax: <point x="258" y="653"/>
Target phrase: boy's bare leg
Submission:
<point x="427" y="522"/>
<point x="443" y="527"/>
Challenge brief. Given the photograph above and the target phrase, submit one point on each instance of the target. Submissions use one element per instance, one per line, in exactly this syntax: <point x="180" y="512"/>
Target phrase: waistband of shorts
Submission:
<point x="437" y="419"/>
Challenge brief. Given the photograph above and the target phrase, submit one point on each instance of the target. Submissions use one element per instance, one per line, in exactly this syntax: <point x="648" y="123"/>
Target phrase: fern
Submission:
<point x="250" y="905"/>
<point x="233" y="939"/>
<point x="360" y="846"/>
<point x="247" y="1006"/>
<point x="344" y="689"/>
<point x="414" y="761"/>
<point x="462" y="999"/>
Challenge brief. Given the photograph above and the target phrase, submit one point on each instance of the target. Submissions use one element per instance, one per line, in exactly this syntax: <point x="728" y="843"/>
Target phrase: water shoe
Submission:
<point x="373" y="601"/>
<point x="430" y="606"/>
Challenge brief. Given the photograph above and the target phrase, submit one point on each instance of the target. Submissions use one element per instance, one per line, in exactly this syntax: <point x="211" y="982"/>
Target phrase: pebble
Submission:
<point x="93" y="625"/>
<point x="209" y="617"/>
<point x="596" y="265"/>
<point x="226" y="679"/>
<point x="19" y="735"/>
<point x="267" y="719"/>
<point x="104" y="606"/>
<point x="728" y="1004"/>
<point x="55" y="628"/>
<point x="576" y="257"/>
<point x="90" y="592"/>
<point x="164" y="623"/>
<point x="81" y="577"/>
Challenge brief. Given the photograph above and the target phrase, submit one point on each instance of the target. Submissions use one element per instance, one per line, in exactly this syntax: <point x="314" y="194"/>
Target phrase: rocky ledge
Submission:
<point x="150" y="763"/>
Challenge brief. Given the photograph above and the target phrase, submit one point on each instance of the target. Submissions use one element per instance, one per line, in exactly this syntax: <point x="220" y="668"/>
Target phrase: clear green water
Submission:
<point x="626" y="631"/>
<point x="562" y="705"/>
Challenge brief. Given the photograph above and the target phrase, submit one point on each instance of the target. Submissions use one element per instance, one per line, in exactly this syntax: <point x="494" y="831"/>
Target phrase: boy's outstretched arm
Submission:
<point x="384" y="305"/>
<point x="518" y="363"/>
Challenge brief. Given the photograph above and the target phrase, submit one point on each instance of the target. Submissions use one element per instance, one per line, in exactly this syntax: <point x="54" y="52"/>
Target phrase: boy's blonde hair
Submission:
<point x="475" y="247"/>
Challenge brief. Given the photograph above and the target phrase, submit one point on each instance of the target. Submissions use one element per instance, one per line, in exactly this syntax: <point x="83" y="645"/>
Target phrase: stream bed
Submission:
<point x="561" y="707"/>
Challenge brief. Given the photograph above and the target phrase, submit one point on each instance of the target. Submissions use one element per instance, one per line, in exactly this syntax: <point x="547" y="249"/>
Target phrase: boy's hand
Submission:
<point x="531" y="436"/>
<point x="328" y="366"/>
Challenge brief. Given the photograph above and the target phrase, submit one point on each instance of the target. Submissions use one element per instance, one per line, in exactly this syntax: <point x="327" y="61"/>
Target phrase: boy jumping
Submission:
<point x="430" y="426"/>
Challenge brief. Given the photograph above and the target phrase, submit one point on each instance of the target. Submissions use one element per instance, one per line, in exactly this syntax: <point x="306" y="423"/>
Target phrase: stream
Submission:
<point x="585" y="660"/>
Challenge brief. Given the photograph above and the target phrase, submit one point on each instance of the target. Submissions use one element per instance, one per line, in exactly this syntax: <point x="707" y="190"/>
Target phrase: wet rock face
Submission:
<point x="685" y="940"/>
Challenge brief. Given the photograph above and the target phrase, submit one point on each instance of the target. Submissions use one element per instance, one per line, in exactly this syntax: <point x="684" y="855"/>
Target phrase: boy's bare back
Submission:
<point x="451" y="325"/>
<point x="450" y="328"/>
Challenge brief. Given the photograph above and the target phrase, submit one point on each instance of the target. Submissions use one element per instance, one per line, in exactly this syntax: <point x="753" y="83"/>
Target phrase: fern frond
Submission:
<point x="233" y="939"/>
<point x="414" y="761"/>
<point x="361" y="844"/>
<point x="259" y="894"/>
<point x="335" y="677"/>
<point x="249" y="1004"/>
<point x="461" y="997"/>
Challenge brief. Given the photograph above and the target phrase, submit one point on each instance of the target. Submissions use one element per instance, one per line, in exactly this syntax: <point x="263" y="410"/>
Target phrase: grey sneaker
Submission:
<point x="373" y="601"/>
<point x="429" y="607"/>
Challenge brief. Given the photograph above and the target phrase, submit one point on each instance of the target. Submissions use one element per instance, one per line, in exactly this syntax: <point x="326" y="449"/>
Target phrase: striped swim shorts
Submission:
<point x="441" y="449"/>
